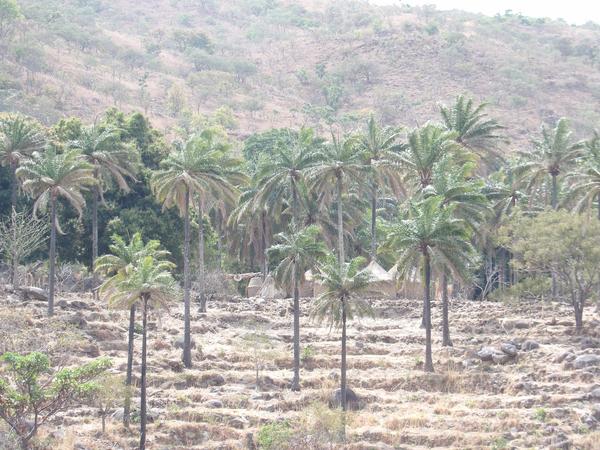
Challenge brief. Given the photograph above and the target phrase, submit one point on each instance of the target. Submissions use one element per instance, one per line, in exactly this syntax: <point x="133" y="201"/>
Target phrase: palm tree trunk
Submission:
<point x="263" y="241"/>
<point x="446" y="341"/>
<point x="201" y="278"/>
<point x="13" y="185"/>
<point x="296" y="380"/>
<point x="374" y="221"/>
<point x="143" y="413"/>
<point x="95" y="195"/>
<point x="129" y="376"/>
<point x="343" y="386"/>
<point x="219" y="243"/>
<point x="295" y="209"/>
<point x="554" y="204"/>
<point x="340" y="220"/>
<point x="52" y="261"/>
<point x="187" y="338"/>
<point x="427" y="295"/>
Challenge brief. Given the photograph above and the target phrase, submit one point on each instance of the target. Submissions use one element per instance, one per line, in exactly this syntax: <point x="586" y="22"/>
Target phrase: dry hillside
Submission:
<point x="276" y="63"/>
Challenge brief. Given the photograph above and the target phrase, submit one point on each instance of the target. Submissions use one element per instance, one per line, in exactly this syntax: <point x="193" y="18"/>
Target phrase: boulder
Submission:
<point x="487" y="353"/>
<point x="91" y="350"/>
<point x="214" y="403"/>
<point x="589" y="342"/>
<point x="212" y="379"/>
<point x="501" y="358"/>
<point x="586" y="361"/>
<point x="509" y="348"/>
<point x="33" y="293"/>
<point x="352" y="400"/>
<point x="529" y="345"/>
<point x="77" y="320"/>
<point x="238" y="422"/>
<point x="595" y="394"/>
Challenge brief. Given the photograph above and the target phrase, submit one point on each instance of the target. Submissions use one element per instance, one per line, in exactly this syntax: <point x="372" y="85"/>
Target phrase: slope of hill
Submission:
<point x="539" y="399"/>
<point x="272" y="63"/>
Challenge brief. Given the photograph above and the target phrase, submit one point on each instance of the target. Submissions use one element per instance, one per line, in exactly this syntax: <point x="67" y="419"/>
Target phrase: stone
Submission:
<point x="586" y="361"/>
<point x="91" y="350"/>
<point x="352" y="400"/>
<point x="529" y="345"/>
<point x="595" y="394"/>
<point x="214" y="403"/>
<point x="178" y="343"/>
<point x="238" y="422"/>
<point x="509" y="349"/>
<point x="596" y="411"/>
<point x="78" y="304"/>
<point x="211" y="379"/>
<point x="486" y="353"/>
<point x="589" y="342"/>
<point x="77" y="320"/>
<point x="501" y="358"/>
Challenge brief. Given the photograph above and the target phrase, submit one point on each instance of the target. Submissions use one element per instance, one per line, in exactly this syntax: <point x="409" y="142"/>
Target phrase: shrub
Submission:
<point x="274" y="436"/>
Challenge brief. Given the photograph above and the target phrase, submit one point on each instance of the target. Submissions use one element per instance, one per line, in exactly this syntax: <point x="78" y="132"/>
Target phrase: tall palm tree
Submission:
<point x="117" y="265"/>
<point x="111" y="159"/>
<point x="296" y="252"/>
<point x="281" y="176"/>
<point x="585" y="178"/>
<point x="20" y="136"/>
<point x="553" y="154"/>
<point x="431" y="236"/>
<point x="148" y="283"/>
<point x="341" y="163"/>
<point x="48" y="176"/>
<point x="474" y="129"/>
<point x="193" y="169"/>
<point x="381" y="149"/>
<point x="426" y="147"/>
<point x="457" y="187"/>
<point x="342" y="301"/>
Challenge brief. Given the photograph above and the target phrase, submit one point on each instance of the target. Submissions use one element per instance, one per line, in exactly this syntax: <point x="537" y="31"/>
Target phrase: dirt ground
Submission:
<point x="544" y="397"/>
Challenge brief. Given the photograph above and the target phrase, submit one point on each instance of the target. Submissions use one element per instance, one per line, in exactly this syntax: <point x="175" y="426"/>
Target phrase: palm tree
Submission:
<point x="48" y="176"/>
<point x="148" y="283"/>
<point x="474" y="130"/>
<point x="431" y="236"/>
<point x="457" y="187"/>
<point x="342" y="301"/>
<point x="381" y="150"/>
<point x="551" y="156"/>
<point x="296" y="253"/>
<point x="426" y="147"/>
<point x="117" y="265"/>
<point x="193" y="169"/>
<point x="111" y="159"/>
<point x="341" y="163"/>
<point x="281" y="176"/>
<point x="585" y="179"/>
<point x="20" y="136"/>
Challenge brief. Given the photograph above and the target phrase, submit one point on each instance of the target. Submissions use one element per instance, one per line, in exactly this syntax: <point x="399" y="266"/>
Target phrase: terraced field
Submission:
<point x="545" y="397"/>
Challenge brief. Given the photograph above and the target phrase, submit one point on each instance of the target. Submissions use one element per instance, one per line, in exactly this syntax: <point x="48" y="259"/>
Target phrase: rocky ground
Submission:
<point x="517" y="376"/>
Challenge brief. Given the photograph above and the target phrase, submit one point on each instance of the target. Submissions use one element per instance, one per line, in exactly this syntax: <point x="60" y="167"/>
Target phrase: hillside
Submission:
<point x="542" y="398"/>
<point x="267" y="63"/>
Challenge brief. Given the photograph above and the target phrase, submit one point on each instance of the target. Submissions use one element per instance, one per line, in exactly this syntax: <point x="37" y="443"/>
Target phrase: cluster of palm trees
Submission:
<point x="429" y="199"/>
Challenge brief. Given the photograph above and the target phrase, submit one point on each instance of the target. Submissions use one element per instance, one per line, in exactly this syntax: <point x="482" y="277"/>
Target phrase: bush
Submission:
<point x="274" y="436"/>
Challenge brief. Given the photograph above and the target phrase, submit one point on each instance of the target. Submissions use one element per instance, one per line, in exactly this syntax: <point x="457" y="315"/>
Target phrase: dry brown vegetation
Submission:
<point x="538" y="400"/>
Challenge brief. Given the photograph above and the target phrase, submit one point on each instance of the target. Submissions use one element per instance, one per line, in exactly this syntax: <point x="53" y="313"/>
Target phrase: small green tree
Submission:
<point x="108" y="395"/>
<point x="560" y="243"/>
<point x="30" y="393"/>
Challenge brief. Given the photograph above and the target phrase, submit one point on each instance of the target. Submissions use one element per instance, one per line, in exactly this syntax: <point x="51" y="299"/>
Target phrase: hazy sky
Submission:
<point x="573" y="11"/>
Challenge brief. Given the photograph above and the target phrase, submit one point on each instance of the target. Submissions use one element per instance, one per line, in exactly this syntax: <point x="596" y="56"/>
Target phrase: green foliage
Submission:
<point x="274" y="436"/>
<point x="31" y="393"/>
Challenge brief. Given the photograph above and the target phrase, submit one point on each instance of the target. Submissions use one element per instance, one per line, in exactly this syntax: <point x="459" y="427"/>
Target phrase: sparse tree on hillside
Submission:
<point x="150" y="285"/>
<point x="48" y="176"/>
<point x="430" y="236"/>
<point x="111" y="160"/>
<point x="194" y="169"/>
<point x="585" y="177"/>
<point x="20" y="136"/>
<point x="296" y="252"/>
